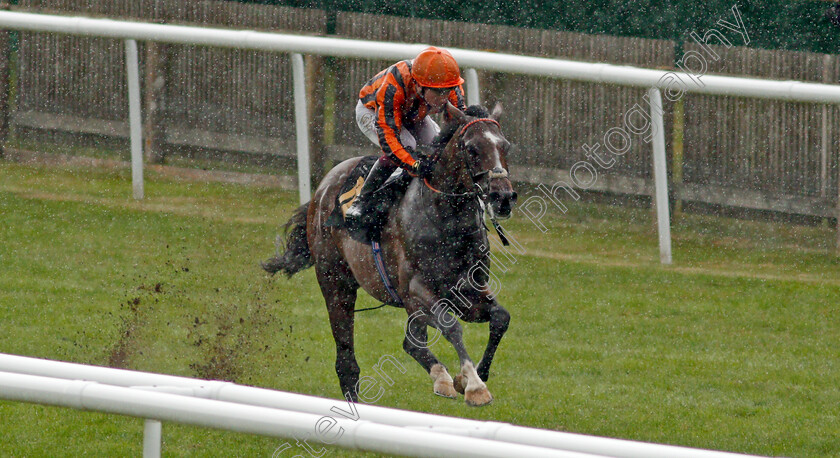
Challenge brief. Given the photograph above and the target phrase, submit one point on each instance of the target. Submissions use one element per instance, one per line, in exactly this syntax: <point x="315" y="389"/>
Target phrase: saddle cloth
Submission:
<point x="376" y="213"/>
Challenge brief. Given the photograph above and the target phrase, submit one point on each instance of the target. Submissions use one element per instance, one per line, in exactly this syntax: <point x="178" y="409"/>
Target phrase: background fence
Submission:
<point x="764" y="154"/>
<point x="740" y="152"/>
<point x="208" y="97"/>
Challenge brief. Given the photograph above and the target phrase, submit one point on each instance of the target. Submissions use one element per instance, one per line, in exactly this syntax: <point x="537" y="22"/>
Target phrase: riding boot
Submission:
<point x="379" y="172"/>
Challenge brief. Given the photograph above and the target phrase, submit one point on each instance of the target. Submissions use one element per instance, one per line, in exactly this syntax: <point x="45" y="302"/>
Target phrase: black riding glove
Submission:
<point x="423" y="167"/>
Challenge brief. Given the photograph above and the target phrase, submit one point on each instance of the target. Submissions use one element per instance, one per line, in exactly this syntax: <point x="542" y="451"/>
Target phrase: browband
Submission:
<point x="463" y="129"/>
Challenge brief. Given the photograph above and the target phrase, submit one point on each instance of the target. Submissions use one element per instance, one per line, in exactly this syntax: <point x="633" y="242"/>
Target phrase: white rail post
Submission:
<point x="473" y="94"/>
<point x="151" y="439"/>
<point x="301" y="128"/>
<point x="134" y="118"/>
<point x="660" y="174"/>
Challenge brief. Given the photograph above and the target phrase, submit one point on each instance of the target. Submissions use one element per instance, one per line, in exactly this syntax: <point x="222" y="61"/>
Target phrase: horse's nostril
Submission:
<point x="503" y="196"/>
<point x="503" y="209"/>
<point x="513" y="197"/>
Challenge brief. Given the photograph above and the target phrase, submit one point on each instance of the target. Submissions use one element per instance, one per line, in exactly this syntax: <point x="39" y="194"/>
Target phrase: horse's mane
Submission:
<point x="449" y="129"/>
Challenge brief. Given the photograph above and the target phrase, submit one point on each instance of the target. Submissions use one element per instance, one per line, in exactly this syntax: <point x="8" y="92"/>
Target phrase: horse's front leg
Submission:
<point x="441" y="316"/>
<point x="417" y="345"/>
<point x="483" y="308"/>
<point x="467" y="381"/>
<point x="499" y="321"/>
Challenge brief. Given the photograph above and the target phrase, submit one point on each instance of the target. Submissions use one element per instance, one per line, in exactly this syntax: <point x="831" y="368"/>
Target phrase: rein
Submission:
<point x="451" y="194"/>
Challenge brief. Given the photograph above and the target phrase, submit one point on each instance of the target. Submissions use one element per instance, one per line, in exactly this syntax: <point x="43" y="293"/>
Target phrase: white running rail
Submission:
<point x="654" y="80"/>
<point x="415" y="421"/>
<point x="364" y="435"/>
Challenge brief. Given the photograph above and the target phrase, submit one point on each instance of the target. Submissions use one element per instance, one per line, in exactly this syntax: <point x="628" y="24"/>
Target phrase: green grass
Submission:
<point x="733" y="347"/>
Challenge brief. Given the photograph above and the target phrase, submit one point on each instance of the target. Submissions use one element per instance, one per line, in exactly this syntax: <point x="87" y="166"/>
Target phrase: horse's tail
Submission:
<point x="296" y="256"/>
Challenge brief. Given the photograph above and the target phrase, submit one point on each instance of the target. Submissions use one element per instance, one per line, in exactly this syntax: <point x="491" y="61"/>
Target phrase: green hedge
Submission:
<point x="773" y="24"/>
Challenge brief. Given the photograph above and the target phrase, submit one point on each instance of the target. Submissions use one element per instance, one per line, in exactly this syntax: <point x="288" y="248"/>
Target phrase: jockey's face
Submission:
<point x="436" y="98"/>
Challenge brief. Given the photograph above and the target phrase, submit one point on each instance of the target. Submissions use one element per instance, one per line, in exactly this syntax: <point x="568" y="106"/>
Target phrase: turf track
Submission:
<point x="734" y="347"/>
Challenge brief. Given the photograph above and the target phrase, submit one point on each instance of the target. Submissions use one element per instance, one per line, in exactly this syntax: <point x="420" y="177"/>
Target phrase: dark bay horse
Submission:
<point x="435" y="246"/>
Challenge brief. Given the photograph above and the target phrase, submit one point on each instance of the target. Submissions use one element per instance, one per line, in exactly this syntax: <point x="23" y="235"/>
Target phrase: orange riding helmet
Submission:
<point x="435" y="67"/>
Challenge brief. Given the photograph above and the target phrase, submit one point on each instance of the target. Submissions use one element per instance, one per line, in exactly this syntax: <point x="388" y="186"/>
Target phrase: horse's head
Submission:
<point x="476" y="156"/>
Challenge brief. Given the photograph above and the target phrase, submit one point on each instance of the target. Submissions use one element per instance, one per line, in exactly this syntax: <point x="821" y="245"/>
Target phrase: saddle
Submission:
<point x="379" y="205"/>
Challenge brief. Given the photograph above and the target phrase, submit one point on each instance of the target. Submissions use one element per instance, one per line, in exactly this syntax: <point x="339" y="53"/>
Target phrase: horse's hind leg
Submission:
<point x="416" y="345"/>
<point x="339" y="292"/>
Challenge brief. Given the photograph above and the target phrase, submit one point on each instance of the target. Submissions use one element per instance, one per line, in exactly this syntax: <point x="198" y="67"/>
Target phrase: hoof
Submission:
<point x="443" y="381"/>
<point x="478" y="397"/>
<point x="460" y="383"/>
<point x="445" y="389"/>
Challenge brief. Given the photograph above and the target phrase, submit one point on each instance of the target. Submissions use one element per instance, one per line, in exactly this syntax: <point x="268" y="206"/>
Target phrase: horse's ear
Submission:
<point x="455" y="113"/>
<point x="497" y="112"/>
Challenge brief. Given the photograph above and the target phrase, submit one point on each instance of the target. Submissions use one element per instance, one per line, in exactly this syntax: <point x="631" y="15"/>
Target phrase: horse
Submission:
<point x="435" y="242"/>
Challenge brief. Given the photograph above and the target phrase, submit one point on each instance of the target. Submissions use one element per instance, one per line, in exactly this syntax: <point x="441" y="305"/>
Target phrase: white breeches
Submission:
<point x="366" y="119"/>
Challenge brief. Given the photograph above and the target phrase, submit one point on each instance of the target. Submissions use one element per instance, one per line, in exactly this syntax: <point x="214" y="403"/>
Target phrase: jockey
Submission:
<point x="393" y="110"/>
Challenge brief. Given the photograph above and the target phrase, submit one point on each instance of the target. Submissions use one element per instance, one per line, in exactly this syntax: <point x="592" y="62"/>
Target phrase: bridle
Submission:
<point x="495" y="172"/>
<point x="481" y="194"/>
